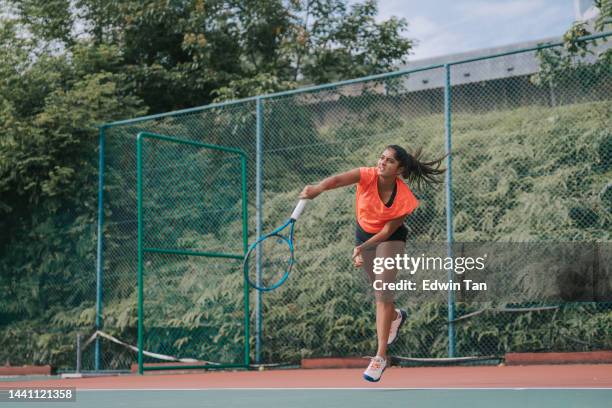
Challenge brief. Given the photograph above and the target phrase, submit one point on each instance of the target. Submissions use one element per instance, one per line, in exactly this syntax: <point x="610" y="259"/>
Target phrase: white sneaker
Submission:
<point x="396" y="325"/>
<point x="375" y="369"/>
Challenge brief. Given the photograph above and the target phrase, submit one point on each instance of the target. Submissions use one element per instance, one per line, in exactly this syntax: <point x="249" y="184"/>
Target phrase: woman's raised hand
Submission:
<point x="309" y="192"/>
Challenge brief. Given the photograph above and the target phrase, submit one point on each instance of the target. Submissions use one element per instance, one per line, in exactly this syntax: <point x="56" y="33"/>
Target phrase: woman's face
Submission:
<point x="387" y="164"/>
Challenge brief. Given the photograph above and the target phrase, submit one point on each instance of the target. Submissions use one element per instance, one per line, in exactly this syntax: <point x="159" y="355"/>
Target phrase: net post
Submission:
<point x="449" y="207"/>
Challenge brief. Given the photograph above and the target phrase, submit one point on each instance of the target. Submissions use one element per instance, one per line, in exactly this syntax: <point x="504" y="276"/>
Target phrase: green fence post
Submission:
<point x="449" y="207"/>
<point x="245" y="246"/>
<point x="100" y="244"/>
<point x="258" y="224"/>
<point x="140" y="248"/>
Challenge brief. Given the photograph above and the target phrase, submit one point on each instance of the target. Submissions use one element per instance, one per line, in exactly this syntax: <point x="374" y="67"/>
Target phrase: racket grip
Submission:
<point x="298" y="209"/>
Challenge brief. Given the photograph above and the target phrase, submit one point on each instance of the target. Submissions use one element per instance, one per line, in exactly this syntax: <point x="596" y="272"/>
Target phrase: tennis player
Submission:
<point x="383" y="202"/>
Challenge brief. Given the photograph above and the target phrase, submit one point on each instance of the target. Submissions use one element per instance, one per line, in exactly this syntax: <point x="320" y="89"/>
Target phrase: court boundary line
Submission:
<point x="346" y="388"/>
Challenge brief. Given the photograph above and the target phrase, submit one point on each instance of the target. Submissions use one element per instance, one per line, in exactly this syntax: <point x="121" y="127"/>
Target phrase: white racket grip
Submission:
<point x="298" y="209"/>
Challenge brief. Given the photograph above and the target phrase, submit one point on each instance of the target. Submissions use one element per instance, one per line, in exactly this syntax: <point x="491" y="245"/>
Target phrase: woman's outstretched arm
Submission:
<point x="339" y="180"/>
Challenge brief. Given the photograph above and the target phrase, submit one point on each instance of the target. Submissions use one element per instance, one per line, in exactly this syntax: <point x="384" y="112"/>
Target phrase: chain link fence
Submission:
<point x="233" y="125"/>
<point x="191" y="202"/>
<point x="531" y="162"/>
<point x="532" y="156"/>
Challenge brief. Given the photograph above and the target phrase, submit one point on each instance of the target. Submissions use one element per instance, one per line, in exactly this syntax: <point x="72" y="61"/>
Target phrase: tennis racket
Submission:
<point x="275" y="251"/>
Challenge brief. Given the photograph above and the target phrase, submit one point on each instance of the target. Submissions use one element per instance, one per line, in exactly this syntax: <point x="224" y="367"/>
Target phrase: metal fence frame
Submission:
<point x="142" y="250"/>
<point x="260" y="101"/>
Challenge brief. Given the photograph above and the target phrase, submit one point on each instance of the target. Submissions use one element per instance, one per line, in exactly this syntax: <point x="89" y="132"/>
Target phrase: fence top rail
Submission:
<point x="143" y="135"/>
<point x="385" y="75"/>
<point x="534" y="48"/>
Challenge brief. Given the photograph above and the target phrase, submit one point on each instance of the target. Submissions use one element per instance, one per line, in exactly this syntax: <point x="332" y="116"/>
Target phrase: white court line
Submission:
<point x="337" y="389"/>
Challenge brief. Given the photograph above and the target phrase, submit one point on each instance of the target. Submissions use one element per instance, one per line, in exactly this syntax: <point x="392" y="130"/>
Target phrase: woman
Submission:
<point x="383" y="202"/>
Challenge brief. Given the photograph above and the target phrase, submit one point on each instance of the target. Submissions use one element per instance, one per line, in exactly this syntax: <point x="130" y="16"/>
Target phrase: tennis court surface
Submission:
<point x="476" y="386"/>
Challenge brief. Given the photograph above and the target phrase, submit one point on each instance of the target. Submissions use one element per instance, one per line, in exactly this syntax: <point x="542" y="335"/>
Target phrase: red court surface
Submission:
<point x="544" y="376"/>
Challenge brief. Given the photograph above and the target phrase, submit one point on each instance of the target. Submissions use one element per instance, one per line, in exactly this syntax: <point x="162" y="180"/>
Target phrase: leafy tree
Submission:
<point x="50" y="108"/>
<point x="67" y="66"/>
<point x="558" y="67"/>
<point x="185" y="52"/>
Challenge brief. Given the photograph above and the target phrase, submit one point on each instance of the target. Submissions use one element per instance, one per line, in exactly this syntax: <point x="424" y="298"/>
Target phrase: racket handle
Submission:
<point x="298" y="209"/>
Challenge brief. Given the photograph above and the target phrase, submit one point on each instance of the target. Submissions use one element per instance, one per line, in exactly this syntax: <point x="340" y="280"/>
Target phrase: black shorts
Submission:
<point x="362" y="236"/>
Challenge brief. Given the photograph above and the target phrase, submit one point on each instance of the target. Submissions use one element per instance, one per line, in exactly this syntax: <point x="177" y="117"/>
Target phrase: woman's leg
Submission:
<point x="385" y="306"/>
<point x="385" y="314"/>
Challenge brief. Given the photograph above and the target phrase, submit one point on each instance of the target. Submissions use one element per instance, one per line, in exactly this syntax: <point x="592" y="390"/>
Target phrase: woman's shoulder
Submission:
<point x="368" y="172"/>
<point x="366" y="175"/>
<point x="404" y="187"/>
<point x="406" y="195"/>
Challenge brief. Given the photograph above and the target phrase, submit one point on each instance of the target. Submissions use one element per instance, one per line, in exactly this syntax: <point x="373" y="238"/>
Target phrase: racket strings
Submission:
<point x="270" y="261"/>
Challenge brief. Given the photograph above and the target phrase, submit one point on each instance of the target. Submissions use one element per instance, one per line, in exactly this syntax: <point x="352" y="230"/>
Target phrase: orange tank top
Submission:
<point x="372" y="214"/>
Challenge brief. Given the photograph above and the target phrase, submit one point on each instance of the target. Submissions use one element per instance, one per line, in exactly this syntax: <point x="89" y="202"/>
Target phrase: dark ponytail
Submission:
<point x="415" y="170"/>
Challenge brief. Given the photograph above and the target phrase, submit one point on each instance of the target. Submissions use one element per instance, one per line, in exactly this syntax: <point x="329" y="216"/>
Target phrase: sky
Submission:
<point x="444" y="27"/>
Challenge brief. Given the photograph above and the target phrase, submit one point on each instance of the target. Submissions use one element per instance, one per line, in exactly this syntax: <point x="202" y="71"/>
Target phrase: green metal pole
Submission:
<point x="245" y="247"/>
<point x="149" y="135"/>
<point x="449" y="208"/>
<point x="140" y="252"/>
<point x="191" y="253"/>
<point x="258" y="224"/>
<point x="100" y="246"/>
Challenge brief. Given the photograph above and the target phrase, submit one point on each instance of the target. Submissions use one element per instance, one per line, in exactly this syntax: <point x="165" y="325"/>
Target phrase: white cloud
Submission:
<point x="505" y="9"/>
<point x="390" y="8"/>
<point x="420" y="26"/>
<point x="547" y="21"/>
<point x="449" y="26"/>
<point x="506" y="22"/>
<point x="442" y="44"/>
<point x="432" y="38"/>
